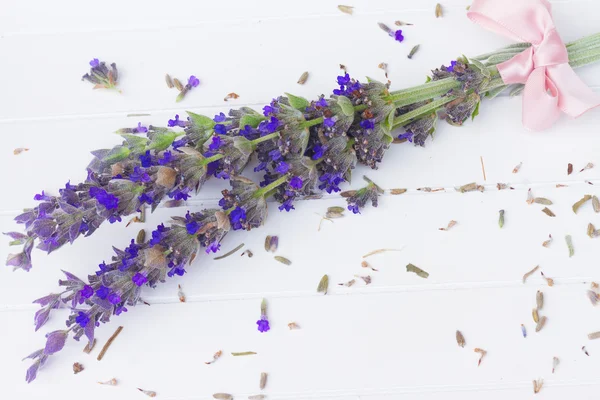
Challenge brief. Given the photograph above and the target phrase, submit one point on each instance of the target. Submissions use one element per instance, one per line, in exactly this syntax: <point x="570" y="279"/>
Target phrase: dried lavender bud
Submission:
<point x="593" y="296"/>
<point x="596" y="204"/>
<point x="148" y="393"/>
<point x="594" y="335"/>
<point x="550" y="281"/>
<point x="346" y="9"/>
<point x="417" y="270"/>
<point x="271" y="243"/>
<point x="101" y="76"/>
<point x="535" y="315"/>
<point x="460" y="339"/>
<point x="401" y="23"/>
<point x="555" y="362"/>
<point x="438" y="10"/>
<point x="111" y="382"/>
<point x="293" y="325"/>
<point x="283" y="260"/>
<point x="263" y="380"/>
<point x="542" y="200"/>
<point x="303" y="78"/>
<point x="539" y="299"/>
<point x="141" y="237"/>
<point x="223" y="396"/>
<point x="397" y="191"/>
<point x="470" y="187"/>
<point x="546" y="243"/>
<point x="541" y="323"/>
<point x="257" y="397"/>
<point x="19" y="150"/>
<point x="537" y="385"/>
<point x="178" y="85"/>
<point x="501" y="218"/>
<point x="523" y="331"/>
<point x="570" y="245"/>
<point x="569" y="169"/>
<point x="502" y="186"/>
<point x="360" y="197"/>
<point x="169" y="81"/>
<point x="77" y="368"/>
<point x="548" y="212"/>
<point x="413" y="51"/>
<point x="323" y="285"/>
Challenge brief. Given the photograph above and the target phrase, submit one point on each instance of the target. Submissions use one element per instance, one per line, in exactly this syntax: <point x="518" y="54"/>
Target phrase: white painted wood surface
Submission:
<point x="393" y="339"/>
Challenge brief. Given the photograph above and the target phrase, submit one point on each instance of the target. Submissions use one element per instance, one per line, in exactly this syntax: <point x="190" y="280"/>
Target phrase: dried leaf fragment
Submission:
<point x="402" y="23"/>
<point x="535" y="315"/>
<point x="482" y="353"/>
<point x="539" y="299"/>
<point x="263" y="380"/>
<point x="379" y="251"/>
<point x="216" y="356"/>
<point x="460" y="339"/>
<point x="413" y="51"/>
<point x="365" y="264"/>
<point x="283" y="260"/>
<point x="548" y="212"/>
<point x="587" y="166"/>
<point x="257" y="397"/>
<point x="450" y="225"/>
<point x="569" y="169"/>
<point x="323" y="285"/>
<point x="111" y="382"/>
<point x="555" y="362"/>
<point x="303" y="78"/>
<point x="417" y="270"/>
<point x="537" y="385"/>
<point x="247" y="252"/>
<point x="591" y="231"/>
<point x="180" y="294"/>
<point x="438" y="11"/>
<point x="570" y="245"/>
<point x="528" y="274"/>
<point x="223" y="396"/>
<point x="349" y="283"/>
<point x="397" y="191"/>
<point x="19" y="150"/>
<point x="517" y="168"/>
<point x="178" y="85"/>
<point x="366" y="279"/>
<point x="542" y="200"/>
<point x="271" y="243"/>
<point x="293" y="325"/>
<point x="109" y="342"/>
<point x="149" y="393"/>
<point x="594" y="335"/>
<point x="541" y="323"/>
<point x="581" y="202"/>
<point x="503" y="186"/>
<point x="546" y="243"/>
<point x="243" y="353"/>
<point x="593" y="296"/>
<point x="501" y="218"/>
<point x="596" y="204"/>
<point x="346" y="9"/>
<point x="89" y="346"/>
<point x="549" y="281"/>
<point x="470" y="187"/>
<point x="231" y="95"/>
<point x="585" y="351"/>
<point x="77" y="368"/>
<point x="141" y="237"/>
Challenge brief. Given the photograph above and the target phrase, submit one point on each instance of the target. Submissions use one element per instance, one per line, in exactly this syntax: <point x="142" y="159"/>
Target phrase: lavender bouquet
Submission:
<point x="302" y="146"/>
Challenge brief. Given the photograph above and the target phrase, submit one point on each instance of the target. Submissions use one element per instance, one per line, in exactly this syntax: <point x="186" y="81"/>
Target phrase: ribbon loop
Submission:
<point x="551" y="85"/>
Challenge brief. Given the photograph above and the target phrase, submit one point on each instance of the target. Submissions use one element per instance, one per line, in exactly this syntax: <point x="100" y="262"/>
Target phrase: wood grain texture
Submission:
<point x="392" y="339"/>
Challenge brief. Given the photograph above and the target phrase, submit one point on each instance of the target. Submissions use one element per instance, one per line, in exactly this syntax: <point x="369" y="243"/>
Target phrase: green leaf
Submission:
<point x="388" y="123"/>
<point x="116" y="154"/>
<point x="428" y="79"/>
<point x="252" y="120"/>
<point x="475" y="111"/>
<point x="346" y="105"/>
<point x="162" y="140"/>
<point x="478" y="65"/>
<point x="135" y="143"/>
<point x="201" y="120"/>
<point x="299" y="103"/>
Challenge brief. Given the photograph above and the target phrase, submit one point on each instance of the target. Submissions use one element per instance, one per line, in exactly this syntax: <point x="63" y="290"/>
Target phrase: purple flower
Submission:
<point x="287" y="205"/>
<point x="329" y="122"/>
<point x="86" y="292"/>
<point x="132" y="250"/>
<point x="296" y="183"/>
<point x="139" y="175"/>
<point x="120" y="310"/>
<point x="220" y="117"/>
<point x="94" y="63"/>
<point x="367" y="124"/>
<point x="214" y="247"/>
<point x="146" y="159"/>
<point x="398" y="35"/>
<point x="282" y="167"/>
<point x="102" y="292"/>
<point x="274" y="155"/>
<point x="167" y="158"/>
<point x="451" y="67"/>
<point x="192" y="227"/>
<point x="180" y="194"/>
<point x="269" y="126"/>
<point x="42" y="196"/>
<point x="269" y="110"/>
<point x="263" y="324"/>
<point x="140" y="128"/>
<point x="114" y="298"/>
<point x="237" y="217"/>
<point x="145" y="198"/>
<point x="330" y="182"/>
<point x="406" y="135"/>
<point x="220" y="129"/>
<point x="176" y="122"/>
<point x="318" y="150"/>
<point x="109" y="201"/>
<point x="193" y="81"/>
<point x="321" y="102"/>
<point x="216" y="143"/>
<point x="82" y="319"/>
<point x="354" y="208"/>
<point x="343" y="80"/>
<point x="139" y="279"/>
<point x="156" y="235"/>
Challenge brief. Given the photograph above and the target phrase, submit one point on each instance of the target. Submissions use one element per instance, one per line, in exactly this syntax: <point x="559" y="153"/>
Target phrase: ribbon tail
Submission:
<point x="540" y="101"/>
<point x="575" y="97"/>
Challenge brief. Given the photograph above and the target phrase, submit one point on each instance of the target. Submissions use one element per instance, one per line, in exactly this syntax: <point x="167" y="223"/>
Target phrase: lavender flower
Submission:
<point x="357" y="199"/>
<point x="101" y="76"/>
<point x="263" y="322"/>
<point x="398" y="35"/>
<point x="191" y="83"/>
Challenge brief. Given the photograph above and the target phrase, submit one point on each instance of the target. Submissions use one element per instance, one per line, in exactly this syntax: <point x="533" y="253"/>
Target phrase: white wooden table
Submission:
<point x="393" y="339"/>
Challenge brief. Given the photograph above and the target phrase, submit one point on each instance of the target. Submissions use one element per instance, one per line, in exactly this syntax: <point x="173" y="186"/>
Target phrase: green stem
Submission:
<point x="421" y="111"/>
<point x="264" y="138"/>
<point x="208" y="160"/>
<point x="312" y="122"/>
<point x="262" y="191"/>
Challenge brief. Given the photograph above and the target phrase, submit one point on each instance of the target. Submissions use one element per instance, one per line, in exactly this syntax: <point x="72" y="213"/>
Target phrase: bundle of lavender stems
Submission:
<point x="302" y="146"/>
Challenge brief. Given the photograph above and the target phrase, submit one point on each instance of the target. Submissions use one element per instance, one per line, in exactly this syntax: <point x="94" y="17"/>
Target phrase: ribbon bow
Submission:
<point x="551" y="85"/>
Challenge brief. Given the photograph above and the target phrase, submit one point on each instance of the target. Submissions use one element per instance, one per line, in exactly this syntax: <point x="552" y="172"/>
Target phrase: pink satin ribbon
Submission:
<point x="551" y="85"/>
